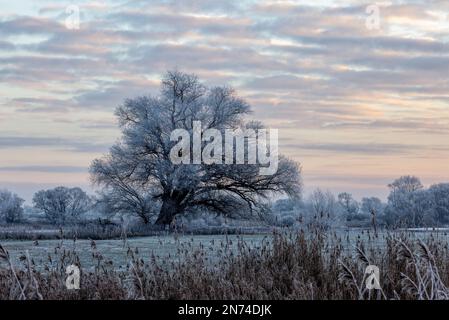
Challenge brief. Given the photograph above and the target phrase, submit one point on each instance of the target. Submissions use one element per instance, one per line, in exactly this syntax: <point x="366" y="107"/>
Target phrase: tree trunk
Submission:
<point x="144" y="218"/>
<point x="170" y="208"/>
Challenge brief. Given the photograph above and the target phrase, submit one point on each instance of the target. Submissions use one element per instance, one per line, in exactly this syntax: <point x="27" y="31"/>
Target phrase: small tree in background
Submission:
<point x="400" y="208"/>
<point x="61" y="205"/>
<point x="322" y="208"/>
<point x="406" y="184"/>
<point x="439" y="195"/>
<point x="348" y="204"/>
<point x="11" y="209"/>
<point x="372" y="204"/>
<point x="323" y="204"/>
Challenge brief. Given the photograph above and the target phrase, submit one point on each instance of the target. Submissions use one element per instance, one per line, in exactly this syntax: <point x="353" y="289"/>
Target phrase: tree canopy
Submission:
<point x="140" y="172"/>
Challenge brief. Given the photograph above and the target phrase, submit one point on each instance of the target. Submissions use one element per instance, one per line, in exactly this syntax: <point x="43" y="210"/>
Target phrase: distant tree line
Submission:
<point x="409" y="204"/>
<point x="11" y="207"/>
<point x="59" y="206"/>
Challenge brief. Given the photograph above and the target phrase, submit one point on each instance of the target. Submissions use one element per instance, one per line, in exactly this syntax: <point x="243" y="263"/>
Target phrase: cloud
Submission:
<point x="286" y="82"/>
<point x="29" y="25"/>
<point x="410" y="124"/>
<point x="377" y="149"/>
<point x="45" y="169"/>
<point x="6" y="45"/>
<point x="58" y="143"/>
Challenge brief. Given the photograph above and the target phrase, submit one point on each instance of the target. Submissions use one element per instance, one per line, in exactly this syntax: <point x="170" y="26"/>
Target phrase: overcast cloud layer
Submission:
<point x="356" y="106"/>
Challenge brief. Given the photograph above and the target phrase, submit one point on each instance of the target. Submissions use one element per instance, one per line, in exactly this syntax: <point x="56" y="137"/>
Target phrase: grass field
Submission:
<point x="162" y="247"/>
<point x="309" y="264"/>
<point x="167" y="247"/>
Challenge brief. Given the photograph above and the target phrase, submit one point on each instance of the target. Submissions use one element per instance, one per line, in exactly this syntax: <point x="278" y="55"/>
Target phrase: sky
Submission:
<point x="359" y="90"/>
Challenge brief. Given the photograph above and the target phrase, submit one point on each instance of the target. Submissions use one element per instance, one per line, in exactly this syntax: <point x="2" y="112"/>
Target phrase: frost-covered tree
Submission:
<point x="348" y="204"/>
<point x="288" y="220"/>
<point x="408" y="203"/>
<point x="439" y="194"/>
<point x="422" y="209"/>
<point x="405" y="184"/>
<point x="372" y="205"/>
<point x="11" y="209"/>
<point x="61" y="204"/>
<point x="290" y="206"/>
<point x="142" y="157"/>
<point x="322" y="208"/>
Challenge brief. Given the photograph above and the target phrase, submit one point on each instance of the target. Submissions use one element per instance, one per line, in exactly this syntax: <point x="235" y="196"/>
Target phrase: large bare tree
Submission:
<point x="139" y="169"/>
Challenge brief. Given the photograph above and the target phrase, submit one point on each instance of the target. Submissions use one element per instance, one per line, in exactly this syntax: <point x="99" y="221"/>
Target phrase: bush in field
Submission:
<point x="287" y="221"/>
<point x="62" y="205"/>
<point x="322" y="209"/>
<point x="409" y="204"/>
<point x="348" y="204"/>
<point x="11" y="209"/>
<point x="372" y="204"/>
<point x="439" y="194"/>
<point x="370" y="208"/>
<point x="284" y="205"/>
<point x="401" y="201"/>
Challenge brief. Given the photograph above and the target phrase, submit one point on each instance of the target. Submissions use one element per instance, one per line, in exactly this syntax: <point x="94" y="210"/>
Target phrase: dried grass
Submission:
<point x="303" y="265"/>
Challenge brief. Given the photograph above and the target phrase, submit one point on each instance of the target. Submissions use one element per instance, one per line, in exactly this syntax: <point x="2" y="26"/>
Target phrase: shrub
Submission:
<point x="288" y="221"/>
<point x="11" y="209"/>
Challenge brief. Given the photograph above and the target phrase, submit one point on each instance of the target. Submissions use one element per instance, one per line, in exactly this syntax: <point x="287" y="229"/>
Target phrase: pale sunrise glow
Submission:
<point x="357" y="107"/>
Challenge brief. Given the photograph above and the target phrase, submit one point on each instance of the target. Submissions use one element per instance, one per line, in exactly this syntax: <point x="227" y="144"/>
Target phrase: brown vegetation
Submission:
<point x="302" y="265"/>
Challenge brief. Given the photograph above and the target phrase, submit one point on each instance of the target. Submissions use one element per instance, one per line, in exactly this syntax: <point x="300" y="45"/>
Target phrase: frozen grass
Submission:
<point x="163" y="247"/>
<point x="89" y="229"/>
<point x="101" y="230"/>
<point x="307" y="264"/>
